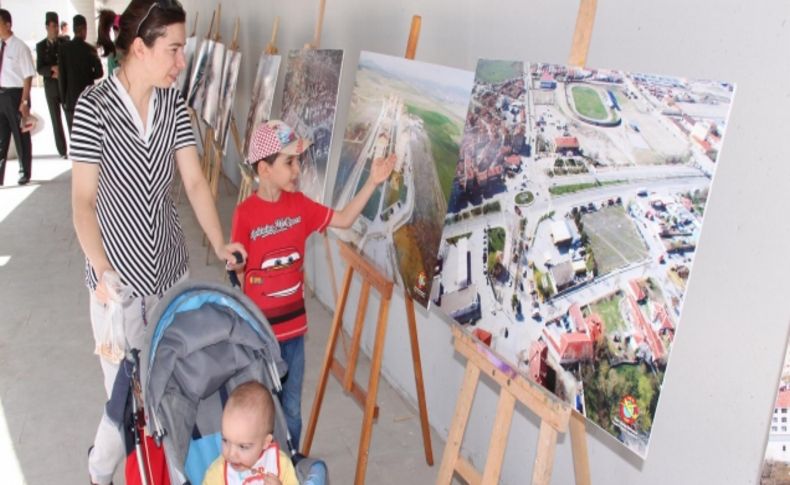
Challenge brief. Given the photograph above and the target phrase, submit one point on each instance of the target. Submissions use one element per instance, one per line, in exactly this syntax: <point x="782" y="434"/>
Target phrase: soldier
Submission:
<point x="47" y="65"/>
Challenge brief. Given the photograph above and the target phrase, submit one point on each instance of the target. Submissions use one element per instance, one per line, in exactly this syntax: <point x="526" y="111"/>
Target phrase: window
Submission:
<point x="784" y="419"/>
<point x="784" y="429"/>
<point x="773" y="428"/>
<point x="784" y="410"/>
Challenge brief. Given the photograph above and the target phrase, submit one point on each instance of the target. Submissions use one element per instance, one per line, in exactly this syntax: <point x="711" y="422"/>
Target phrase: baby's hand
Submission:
<point x="382" y="168"/>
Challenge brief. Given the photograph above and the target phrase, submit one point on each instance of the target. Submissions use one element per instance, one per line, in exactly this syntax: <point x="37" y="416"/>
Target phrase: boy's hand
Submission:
<point x="381" y="168"/>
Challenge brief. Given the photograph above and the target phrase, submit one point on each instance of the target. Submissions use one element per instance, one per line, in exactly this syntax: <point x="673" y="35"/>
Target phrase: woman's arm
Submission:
<point x="380" y="170"/>
<point x="202" y="203"/>
<point x="84" y="186"/>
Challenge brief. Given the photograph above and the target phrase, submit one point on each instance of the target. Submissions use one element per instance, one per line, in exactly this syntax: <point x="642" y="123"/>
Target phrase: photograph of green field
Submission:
<point x="614" y="239"/>
<point x="415" y="111"/>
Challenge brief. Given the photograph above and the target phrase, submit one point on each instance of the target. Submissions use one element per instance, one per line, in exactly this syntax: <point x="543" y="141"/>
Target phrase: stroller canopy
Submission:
<point x="207" y="339"/>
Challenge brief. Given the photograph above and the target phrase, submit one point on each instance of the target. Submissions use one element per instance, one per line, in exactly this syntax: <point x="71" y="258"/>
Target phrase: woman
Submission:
<point x="109" y="23"/>
<point x="129" y="129"/>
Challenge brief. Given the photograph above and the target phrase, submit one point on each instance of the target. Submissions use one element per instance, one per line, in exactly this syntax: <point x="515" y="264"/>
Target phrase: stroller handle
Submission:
<point x="232" y="276"/>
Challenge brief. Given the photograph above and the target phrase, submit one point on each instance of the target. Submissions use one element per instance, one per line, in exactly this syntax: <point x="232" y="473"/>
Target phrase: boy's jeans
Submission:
<point x="292" y="352"/>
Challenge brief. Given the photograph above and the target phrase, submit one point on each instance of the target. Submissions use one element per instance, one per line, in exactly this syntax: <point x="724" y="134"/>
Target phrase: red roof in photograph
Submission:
<point x="575" y="346"/>
<point x="636" y="289"/>
<point x="783" y="399"/>
<point x="653" y="341"/>
<point x="575" y="313"/>
<point x="566" y="142"/>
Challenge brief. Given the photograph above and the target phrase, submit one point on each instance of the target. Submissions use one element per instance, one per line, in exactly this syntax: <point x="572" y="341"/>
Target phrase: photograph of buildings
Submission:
<point x="776" y="466"/>
<point x="230" y="76"/>
<point x="576" y="209"/>
<point x="262" y="95"/>
<point x="309" y="102"/>
<point x="415" y="110"/>
<point x="185" y="76"/>
<point x="196" y="93"/>
<point x="212" y="86"/>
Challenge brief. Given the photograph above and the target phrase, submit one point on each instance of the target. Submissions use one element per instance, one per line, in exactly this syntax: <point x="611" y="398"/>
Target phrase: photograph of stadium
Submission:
<point x="576" y="208"/>
<point x="415" y="110"/>
<point x="309" y="98"/>
<point x="262" y="95"/>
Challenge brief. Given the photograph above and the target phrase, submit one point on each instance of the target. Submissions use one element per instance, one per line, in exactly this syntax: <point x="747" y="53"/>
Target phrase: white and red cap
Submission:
<point x="275" y="137"/>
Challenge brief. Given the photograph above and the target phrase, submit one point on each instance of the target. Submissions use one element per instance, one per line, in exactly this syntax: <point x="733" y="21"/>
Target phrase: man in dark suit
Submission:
<point x="47" y="66"/>
<point x="79" y="67"/>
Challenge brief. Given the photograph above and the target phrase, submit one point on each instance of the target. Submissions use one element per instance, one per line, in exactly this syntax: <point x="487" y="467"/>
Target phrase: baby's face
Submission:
<point x="243" y="438"/>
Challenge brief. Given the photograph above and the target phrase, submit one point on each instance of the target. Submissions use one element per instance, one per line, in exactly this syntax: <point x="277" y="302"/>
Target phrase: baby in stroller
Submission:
<point x="209" y="342"/>
<point x="249" y="451"/>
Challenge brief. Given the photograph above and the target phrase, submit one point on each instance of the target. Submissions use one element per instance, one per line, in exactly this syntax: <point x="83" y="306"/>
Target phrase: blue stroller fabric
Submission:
<point x="207" y="339"/>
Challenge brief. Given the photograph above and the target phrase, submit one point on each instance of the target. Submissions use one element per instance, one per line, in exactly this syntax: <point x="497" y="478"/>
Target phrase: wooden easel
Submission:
<point x="345" y="374"/>
<point x="556" y="416"/>
<point x="370" y="277"/>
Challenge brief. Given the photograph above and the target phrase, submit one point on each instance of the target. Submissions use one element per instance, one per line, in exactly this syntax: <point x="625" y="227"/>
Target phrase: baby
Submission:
<point x="249" y="453"/>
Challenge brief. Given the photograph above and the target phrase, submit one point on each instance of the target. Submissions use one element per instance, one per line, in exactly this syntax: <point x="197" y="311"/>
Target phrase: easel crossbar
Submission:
<point x="550" y="410"/>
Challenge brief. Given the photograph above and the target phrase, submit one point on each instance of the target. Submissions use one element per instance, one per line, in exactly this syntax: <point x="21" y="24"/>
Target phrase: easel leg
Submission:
<point x="373" y="387"/>
<point x="351" y="363"/>
<point x="337" y="323"/>
<point x="581" y="460"/>
<point x="499" y="434"/>
<point x="456" y="434"/>
<point x="418" y="381"/>
<point x="544" y="461"/>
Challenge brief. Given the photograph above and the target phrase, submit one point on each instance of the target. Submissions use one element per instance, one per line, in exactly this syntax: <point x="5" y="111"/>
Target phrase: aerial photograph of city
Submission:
<point x="776" y="464"/>
<point x="571" y="230"/>
<point x="309" y="102"/>
<point x="416" y="111"/>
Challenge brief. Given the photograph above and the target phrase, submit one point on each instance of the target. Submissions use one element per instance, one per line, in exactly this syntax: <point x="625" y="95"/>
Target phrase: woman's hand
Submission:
<point x="226" y="254"/>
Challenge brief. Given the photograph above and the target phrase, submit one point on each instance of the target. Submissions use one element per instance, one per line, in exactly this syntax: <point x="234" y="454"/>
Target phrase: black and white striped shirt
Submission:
<point x="140" y="230"/>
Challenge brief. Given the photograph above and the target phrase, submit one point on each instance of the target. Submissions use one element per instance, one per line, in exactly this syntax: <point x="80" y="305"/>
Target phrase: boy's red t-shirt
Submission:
<point x="274" y="235"/>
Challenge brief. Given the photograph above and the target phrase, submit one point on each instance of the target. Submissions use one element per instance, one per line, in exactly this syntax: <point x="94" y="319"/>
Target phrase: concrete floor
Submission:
<point x="51" y="394"/>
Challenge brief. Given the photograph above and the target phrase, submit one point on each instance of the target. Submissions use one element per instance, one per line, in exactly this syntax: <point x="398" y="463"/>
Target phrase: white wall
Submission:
<point x="717" y="399"/>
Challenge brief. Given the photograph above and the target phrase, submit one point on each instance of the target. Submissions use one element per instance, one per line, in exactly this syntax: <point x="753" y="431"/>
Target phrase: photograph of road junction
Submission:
<point x="576" y="208"/>
<point x="415" y="110"/>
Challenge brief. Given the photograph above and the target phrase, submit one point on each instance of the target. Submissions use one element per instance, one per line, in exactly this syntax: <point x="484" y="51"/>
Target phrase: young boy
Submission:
<point x="273" y="225"/>
<point x="249" y="452"/>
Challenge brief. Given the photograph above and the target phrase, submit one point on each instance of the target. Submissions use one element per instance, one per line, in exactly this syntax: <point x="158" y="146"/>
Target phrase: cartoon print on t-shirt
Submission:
<point x="280" y="274"/>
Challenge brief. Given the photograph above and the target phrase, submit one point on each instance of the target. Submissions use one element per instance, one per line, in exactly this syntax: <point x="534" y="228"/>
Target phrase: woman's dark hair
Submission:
<point x="148" y="20"/>
<point x="103" y="40"/>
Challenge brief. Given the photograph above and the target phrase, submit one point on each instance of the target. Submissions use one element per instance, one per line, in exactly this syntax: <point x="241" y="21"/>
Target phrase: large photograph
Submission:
<point x="212" y="86"/>
<point x="196" y="92"/>
<point x="185" y="76"/>
<point x="776" y="465"/>
<point x="312" y="80"/>
<point x="230" y="76"/>
<point x="572" y="227"/>
<point x="262" y="95"/>
<point x="415" y="110"/>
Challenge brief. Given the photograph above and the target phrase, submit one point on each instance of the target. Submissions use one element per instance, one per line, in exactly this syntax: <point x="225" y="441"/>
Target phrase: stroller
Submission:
<point x="207" y="339"/>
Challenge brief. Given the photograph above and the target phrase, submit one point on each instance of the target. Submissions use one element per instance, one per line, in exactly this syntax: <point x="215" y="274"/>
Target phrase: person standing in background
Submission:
<point x="47" y="65"/>
<point x="64" y="30"/>
<point x="79" y="66"/>
<point x="16" y="75"/>
<point x="108" y="32"/>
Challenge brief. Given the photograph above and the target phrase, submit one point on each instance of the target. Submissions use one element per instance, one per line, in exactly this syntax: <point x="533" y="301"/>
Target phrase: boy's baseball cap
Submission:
<point x="275" y="137"/>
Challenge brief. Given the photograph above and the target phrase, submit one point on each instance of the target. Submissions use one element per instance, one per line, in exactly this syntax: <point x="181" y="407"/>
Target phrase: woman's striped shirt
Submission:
<point x="140" y="230"/>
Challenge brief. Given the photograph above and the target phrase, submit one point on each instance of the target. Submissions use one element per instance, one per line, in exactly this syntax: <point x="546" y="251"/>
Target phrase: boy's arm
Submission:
<point x="380" y="170"/>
